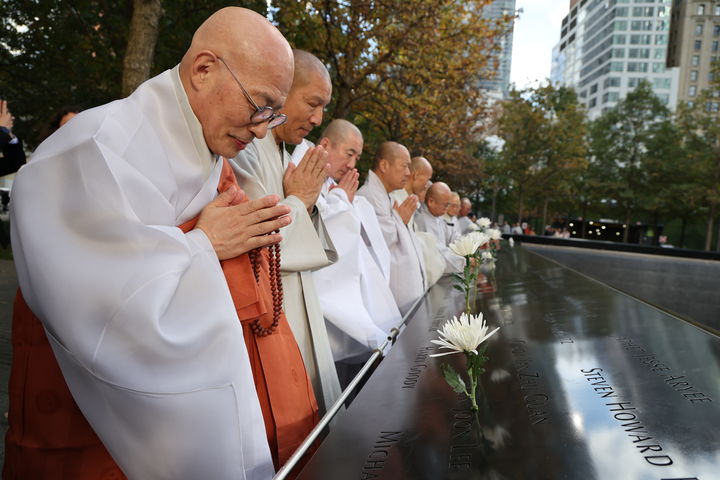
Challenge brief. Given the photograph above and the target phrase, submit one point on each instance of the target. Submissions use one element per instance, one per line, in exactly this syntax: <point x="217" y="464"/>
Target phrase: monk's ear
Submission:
<point x="384" y="164"/>
<point x="205" y="66"/>
<point x="324" y="142"/>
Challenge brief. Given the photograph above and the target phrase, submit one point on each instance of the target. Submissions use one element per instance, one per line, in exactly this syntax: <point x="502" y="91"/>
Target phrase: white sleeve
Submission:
<point x="140" y="318"/>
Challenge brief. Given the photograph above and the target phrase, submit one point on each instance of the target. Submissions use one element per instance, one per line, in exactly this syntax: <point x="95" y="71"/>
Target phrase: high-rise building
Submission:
<point x="608" y="46"/>
<point x="500" y="83"/>
<point x="693" y="45"/>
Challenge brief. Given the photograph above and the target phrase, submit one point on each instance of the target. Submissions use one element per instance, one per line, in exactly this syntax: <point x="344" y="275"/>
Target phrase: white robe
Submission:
<point x="433" y="262"/>
<point x="407" y="280"/>
<point x="464" y="225"/>
<point x="453" y="231"/>
<point x="354" y="292"/>
<point x="138" y="313"/>
<point x="436" y="226"/>
<point x="305" y="247"/>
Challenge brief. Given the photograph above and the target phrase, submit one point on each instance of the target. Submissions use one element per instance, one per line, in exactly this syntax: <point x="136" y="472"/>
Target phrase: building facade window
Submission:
<point x="639" y="53"/>
<point x="637" y="67"/>
<point x="658" y="67"/>
<point x="701" y="9"/>
<point x="641" y="39"/>
<point x="716" y="30"/>
<point x="660" y="39"/>
<point x="695" y="60"/>
<point x="693" y="75"/>
<point x="699" y="29"/>
<point x="692" y="90"/>
<point x="698" y="44"/>
<point x="714" y="46"/>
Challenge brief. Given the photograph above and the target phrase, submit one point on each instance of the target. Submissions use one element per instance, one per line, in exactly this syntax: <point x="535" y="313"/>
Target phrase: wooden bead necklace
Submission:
<point x="275" y="287"/>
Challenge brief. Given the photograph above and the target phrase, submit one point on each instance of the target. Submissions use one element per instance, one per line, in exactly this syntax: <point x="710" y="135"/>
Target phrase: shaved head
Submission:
<point x="310" y="93"/>
<point x="420" y="164"/>
<point x="307" y="66"/>
<point x="340" y="130"/>
<point x="465" y="207"/>
<point x="421" y="172"/>
<point x="344" y="144"/>
<point x="241" y="43"/>
<point x="437" y="198"/>
<point x="390" y="151"/>
<point x="392" y="165"/>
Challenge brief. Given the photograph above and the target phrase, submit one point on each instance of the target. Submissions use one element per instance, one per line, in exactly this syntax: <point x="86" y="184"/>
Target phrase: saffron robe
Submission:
<point x="51" y="419"/>
<point x="306" y="246"/>
<point x="139" y="314"/>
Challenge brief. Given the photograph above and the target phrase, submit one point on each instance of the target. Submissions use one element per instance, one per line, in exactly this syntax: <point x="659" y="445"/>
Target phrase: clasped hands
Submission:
<point x="235" y="226"/>
<point x="306" y="179"/>
<point x="406" y="208"/>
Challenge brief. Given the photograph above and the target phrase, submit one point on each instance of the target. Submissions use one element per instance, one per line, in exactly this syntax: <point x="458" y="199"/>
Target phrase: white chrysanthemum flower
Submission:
<point x="474" y="227"/>
<point x="487" y="256"/>
<point x="463" y="335"/>
<point x="511" y="242"/>
<point x="494" y="234"/>
<point x="483" y="222"/>
<point x="468" y="244"/>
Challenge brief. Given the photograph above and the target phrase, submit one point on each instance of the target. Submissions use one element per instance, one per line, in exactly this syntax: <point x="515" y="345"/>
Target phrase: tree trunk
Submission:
<point x="544" y="216"/>
<point x="709" y="230"/>
<point x="142" y="38"/>
<point x="626" y="233"/>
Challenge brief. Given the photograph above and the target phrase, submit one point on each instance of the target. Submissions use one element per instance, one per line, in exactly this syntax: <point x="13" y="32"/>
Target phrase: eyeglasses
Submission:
<point x="261" y="114"/>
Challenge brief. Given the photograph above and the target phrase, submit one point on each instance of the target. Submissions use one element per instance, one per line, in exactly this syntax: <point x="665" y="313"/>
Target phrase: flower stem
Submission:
<point x="473" y="391"/>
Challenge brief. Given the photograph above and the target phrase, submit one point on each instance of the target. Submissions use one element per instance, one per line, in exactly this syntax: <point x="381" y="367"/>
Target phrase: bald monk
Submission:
<point x="464" y="222"/>
<point x="391" y="171"/>
<point x="421" y="172"/>
<point x="429" y="219"/>
<point x="451" y="218"/>
<point x="157" y="299"/>
<point x="354" y="292"/>
<point x="265" y="168"/>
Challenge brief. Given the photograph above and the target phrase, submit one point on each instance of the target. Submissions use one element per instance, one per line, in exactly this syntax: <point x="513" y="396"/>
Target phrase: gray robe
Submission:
<point x="305" y="247"/>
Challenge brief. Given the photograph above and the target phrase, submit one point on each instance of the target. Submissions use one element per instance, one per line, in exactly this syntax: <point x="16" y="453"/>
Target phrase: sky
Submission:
<point x="536" y="32"/>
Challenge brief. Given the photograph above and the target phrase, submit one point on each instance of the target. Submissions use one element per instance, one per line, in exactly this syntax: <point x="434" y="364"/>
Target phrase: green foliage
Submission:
<point x="404" y="71"/>
<point x="544" y="134"/>
<point x="71" y="52"/>
<point x="453" y="378"/>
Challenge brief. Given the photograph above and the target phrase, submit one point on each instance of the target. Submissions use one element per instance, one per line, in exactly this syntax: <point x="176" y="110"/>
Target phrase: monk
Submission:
<point x="390" y="171"/>
<point x="265" y="168"/>
<point x="141" y="348"/>
<point x="429" y="218"/>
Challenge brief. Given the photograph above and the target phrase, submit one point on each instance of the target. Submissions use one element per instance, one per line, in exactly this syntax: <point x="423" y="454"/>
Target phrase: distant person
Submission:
<point x="60" y="118"/>
<point x="12" y="147"/>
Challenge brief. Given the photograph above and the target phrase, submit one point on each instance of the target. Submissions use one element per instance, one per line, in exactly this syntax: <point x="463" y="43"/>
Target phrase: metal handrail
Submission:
<point x="332" y="411"/>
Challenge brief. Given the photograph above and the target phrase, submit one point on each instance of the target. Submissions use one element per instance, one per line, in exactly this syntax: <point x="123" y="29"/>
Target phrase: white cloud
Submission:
<point x="536" y="31"/>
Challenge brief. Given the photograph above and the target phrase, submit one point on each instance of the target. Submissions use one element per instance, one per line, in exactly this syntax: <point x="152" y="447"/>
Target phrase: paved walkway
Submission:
<point x="8" y="286"/>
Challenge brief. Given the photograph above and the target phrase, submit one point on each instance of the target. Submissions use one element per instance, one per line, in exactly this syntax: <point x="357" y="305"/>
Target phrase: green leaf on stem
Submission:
<point x="453" y="379"/>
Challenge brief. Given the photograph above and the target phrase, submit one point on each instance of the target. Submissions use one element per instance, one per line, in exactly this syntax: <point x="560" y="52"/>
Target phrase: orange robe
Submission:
<point x="49" y="437"/>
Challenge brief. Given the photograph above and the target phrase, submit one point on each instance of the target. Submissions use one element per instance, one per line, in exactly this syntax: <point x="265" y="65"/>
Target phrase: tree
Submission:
<point x="545" y="146"/>
<point x="701" y="136"/>
<point x="72" y="51"/>
<point x="141" y="43"/>
<point x="625" y="139"/>
<point x="405" y="71"/>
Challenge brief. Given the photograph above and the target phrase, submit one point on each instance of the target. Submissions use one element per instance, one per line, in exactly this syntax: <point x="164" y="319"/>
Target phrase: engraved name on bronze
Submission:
<point x="679" y="383"/>
<point x="534" y="397"/>
<point x="418" y="366"/>
<point x="628" y="417"/>
<point x="375" y="460"/>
